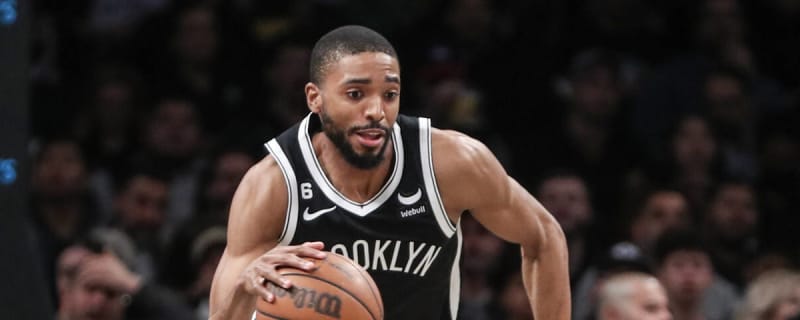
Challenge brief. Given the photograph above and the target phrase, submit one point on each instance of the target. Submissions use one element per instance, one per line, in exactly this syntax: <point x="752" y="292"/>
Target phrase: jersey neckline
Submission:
<point x="325" y="185"/>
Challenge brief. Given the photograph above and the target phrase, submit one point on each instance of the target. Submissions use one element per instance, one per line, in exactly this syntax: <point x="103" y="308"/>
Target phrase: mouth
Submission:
<point x="370" y="138"/>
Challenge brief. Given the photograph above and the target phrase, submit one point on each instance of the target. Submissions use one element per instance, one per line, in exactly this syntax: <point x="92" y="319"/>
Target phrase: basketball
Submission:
<point x="337" y="289"/>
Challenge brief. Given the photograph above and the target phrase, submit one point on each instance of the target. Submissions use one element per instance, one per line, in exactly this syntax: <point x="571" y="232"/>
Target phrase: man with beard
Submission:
<point x="140" y="211"/>
<point x="386" y="190"/>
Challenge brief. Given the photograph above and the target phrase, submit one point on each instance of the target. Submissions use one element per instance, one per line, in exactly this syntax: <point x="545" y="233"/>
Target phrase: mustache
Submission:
<point x="371" y="125"/>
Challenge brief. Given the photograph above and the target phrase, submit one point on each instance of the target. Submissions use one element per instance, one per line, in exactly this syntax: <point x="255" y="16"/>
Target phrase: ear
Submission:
<point x="313" y="97"/>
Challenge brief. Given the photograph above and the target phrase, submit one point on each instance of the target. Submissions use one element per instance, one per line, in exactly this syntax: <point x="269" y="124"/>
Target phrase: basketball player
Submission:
<point x="386" y="190"/>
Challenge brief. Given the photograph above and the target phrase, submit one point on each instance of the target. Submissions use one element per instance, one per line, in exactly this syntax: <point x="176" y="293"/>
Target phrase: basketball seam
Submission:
<point x="364" y="274"/>
<point x="271" y="315"/>
<point x="337" y="286"/>
<point x="376" y="297"/>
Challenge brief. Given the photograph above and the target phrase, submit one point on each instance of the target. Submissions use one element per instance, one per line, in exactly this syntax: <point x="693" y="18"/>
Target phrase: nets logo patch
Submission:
<point x="8" y="171"/>
<point x="8" y="12"/>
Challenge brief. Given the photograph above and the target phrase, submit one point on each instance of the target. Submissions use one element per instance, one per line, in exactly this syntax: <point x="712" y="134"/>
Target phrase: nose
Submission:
<point x="374" y="109"/>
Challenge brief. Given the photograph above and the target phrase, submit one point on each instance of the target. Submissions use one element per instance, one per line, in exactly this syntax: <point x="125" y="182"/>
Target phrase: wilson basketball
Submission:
<point x="337" y="289"/>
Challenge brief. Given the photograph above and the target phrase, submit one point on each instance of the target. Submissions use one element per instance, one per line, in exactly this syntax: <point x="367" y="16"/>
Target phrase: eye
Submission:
<point x="355" y="94"/>
<point x="392" y="95"/>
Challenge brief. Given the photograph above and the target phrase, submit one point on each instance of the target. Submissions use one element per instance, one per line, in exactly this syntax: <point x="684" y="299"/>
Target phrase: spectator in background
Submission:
<point x="280" y="104"/>
<point x="193" y="49"/>
<point x="173" y="141"/>
<point x="778" y="54"/>
<point x="198" y="65"/>
<point x="108" y="120"/>
<point x="566" y="196"/>
<point x="630" y="25"/>
<point x="732" y="117"/>
<point x="658" y="211"/>
<point x="632" y="296"/>
<point x="458" y="31"/>
<point x="62" y="208"/>
<point x="116" y="21"/>
<point x="217" y="186"/>
<point x="683" y="265"/>
<point x="94" y="287"/>
<point x="590" y="134"/>
<point x="779" y="181"/>
<point x="620" y="258"/>
<point x="693" y="165"/>
<point x="219" y="182"/>
<point x="107" y="127"/>
<point x="95" y="283"/>
<point x="731" y="229"/>
<point x="140" y="211"/>
<point x="449" y="65"/>
<point x="206" y="251"/>
<point x="720" y="40"/>
<point x="482" y="251"/>
<point x="453" y="102"/>
<point x="766" y="260"/>
<point x="513" y="304"/>
<point x="774" y="295"/>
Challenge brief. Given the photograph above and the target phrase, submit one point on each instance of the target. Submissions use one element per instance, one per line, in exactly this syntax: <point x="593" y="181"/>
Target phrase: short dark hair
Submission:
<point x="557" y="173"/>
<point x="731" y="72"/>
<point x="133" y="169"/>
<point x="346" y="40"/>
<point x="678" y="239"/>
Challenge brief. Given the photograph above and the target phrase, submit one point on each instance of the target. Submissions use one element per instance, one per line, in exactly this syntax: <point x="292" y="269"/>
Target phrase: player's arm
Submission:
<point x="256" y="220"/>
<point x="471" y="178"/>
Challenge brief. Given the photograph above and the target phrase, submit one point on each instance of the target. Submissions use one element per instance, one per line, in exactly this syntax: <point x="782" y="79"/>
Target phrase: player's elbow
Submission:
<point x="550" y="243"/>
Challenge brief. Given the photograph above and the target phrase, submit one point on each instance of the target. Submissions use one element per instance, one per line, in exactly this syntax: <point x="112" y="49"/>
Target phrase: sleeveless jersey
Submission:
<point x="402" y="236"/>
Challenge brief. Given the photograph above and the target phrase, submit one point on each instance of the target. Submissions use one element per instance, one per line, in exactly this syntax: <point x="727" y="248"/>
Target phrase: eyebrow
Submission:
<point x="394" y="79"/>
<point x="358" y="81"/>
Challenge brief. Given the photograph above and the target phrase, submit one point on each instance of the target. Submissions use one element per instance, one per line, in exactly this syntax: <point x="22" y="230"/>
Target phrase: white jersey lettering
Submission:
<point x="372" y="255"/>
<point x="427" y="260"/>
<point x="378" y="255"/>
<point x="363" y="250"/>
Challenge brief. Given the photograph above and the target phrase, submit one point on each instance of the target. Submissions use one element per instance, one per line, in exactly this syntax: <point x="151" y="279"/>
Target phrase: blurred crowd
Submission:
<point x="662" y="135"/>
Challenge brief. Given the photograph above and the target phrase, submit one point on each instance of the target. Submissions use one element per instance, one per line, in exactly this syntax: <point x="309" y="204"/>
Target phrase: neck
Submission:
<point x="588" y="134"/>
<point x="62" y="218"/>
<point x="355" y="183"/>
<point x="687" y="311"/>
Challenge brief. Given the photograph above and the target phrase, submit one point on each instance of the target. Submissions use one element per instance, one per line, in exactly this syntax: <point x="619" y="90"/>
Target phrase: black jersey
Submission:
<point x="402" y="236"/>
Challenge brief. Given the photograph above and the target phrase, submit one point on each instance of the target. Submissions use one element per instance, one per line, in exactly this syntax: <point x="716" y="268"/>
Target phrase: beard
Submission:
<point x="338" y="136"/>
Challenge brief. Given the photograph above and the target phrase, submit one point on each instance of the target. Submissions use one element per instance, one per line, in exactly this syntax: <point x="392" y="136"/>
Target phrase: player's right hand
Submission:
<point x="264" y="269"/>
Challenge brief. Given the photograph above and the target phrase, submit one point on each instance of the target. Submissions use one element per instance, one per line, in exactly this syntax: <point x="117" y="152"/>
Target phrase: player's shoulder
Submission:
<point x="258" y="209"/>
<point x="459" y="147"/>
<point x="261" y="187"/>
<point x="466" y="170"/>
<point x="264" y="171"/>
<point x="461" y="157"/>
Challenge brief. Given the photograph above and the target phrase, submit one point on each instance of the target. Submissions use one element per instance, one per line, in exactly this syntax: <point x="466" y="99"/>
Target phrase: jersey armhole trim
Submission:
<point x="429" y="178"/>
<point x="455" y="275"/>
<point x="290" y="223"/>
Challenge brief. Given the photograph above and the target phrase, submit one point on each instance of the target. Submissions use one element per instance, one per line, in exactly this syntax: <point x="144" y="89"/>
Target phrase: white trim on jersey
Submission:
<point x="455" y="275"/>
<point x="290" y="224"/>
<point x="429" y="177"/>
<point x="359" y="209"/>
